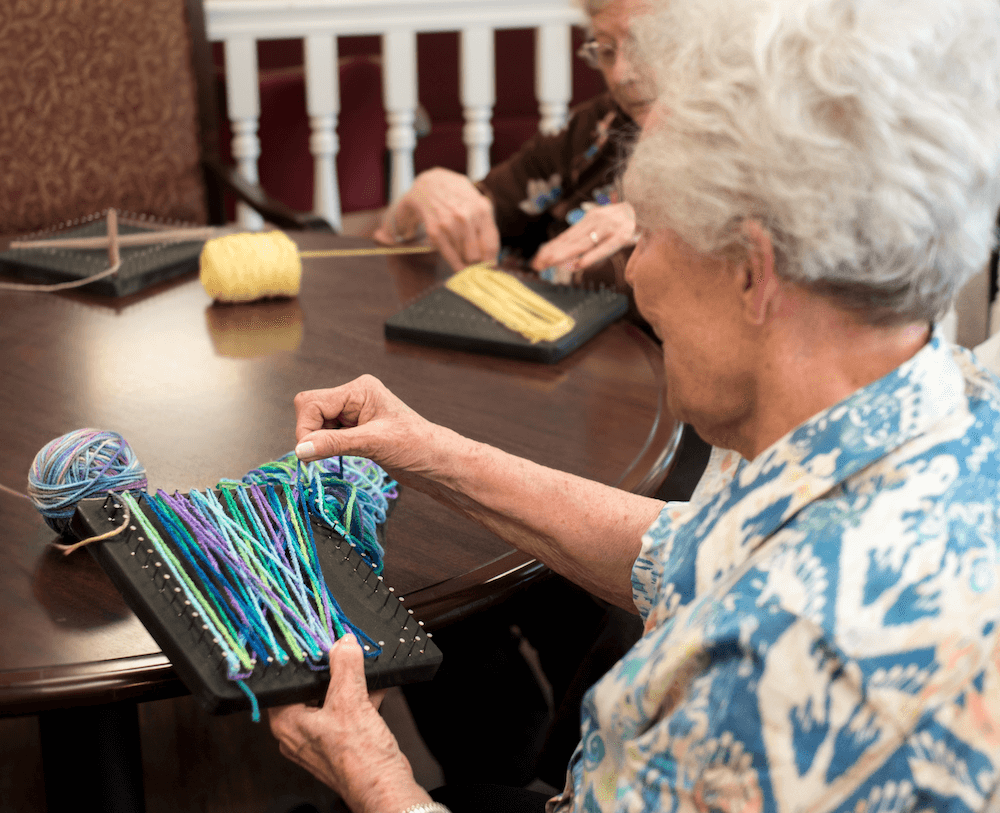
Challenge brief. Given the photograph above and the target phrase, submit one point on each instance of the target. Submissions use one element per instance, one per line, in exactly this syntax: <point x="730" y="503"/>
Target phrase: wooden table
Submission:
<point x="204" y="392"/>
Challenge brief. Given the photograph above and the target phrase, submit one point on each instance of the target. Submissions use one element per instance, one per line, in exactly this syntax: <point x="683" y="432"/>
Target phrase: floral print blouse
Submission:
<point x="821" y="623"/>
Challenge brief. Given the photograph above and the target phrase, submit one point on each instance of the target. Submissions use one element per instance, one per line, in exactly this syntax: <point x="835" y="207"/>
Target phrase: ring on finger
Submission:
<point x="594" y="238"/>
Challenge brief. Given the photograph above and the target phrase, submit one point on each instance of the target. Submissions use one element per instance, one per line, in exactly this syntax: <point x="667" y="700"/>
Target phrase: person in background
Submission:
<point x="554" y="203"/>
<point x="815" y="183"/>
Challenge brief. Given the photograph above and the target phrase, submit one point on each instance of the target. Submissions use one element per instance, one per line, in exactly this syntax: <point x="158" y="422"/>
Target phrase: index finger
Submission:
<point x="489" y="239"/>
<point x="561" y="249"/>
<point x="282" y="719"/>
<point x="448" y="251"/>
<point x="472" y="246"/>
<point x="442" y="241"/>
<point x="319" y="409"/>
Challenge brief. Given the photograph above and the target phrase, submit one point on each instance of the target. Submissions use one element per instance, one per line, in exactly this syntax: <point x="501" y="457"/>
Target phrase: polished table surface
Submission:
<point x="204" y="392"/>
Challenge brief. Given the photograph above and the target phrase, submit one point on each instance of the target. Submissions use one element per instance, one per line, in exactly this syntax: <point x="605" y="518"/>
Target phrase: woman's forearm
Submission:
<point x="588" y="532"/>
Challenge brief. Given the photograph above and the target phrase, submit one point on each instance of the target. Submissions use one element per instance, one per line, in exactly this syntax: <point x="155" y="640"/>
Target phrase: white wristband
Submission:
<point x="427" y="807"/>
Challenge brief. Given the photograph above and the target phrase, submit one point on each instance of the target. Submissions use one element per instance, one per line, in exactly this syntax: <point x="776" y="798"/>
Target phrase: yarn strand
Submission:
<point x="49" y="288"/>
<point x="68" y="549"/>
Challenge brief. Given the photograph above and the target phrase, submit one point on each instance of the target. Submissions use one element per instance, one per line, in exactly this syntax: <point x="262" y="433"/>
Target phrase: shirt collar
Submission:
<point x="752" y="499"/>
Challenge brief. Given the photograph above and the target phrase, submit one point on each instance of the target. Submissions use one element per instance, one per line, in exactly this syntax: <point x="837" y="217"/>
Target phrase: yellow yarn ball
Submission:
<point x="245" y="267"/>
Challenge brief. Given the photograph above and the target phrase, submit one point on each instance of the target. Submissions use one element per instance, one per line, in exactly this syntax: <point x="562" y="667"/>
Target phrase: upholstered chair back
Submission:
<point x="98" y="108"/>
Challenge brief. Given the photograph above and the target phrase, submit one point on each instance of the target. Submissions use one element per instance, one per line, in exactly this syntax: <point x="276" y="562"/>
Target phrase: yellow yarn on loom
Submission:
<point x="511" y="302"/>
<point x="248" y="266"/>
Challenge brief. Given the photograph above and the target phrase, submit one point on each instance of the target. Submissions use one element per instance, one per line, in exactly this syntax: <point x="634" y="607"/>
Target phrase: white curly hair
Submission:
<point x="864" y="135"/>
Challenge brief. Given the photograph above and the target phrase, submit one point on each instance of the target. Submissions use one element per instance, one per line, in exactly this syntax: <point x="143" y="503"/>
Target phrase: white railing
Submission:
<point x="240" y="23"/>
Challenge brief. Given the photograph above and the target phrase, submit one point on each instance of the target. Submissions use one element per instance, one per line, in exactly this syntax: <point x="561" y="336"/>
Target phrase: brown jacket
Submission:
<point x="549" y="183"/>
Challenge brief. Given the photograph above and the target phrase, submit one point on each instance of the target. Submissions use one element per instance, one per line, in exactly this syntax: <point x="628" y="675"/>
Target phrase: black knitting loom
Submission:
<point x="141" y="266"/>
<point x="408" y="655"/>
<point x="442" y="318"/>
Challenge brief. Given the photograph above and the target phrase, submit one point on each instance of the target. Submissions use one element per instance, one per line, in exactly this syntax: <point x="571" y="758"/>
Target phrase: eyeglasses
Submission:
<point x="598" y="54"/>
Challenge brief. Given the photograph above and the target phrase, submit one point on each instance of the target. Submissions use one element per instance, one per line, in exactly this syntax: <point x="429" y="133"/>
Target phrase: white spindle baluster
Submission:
<point x="553" y="75"/>
<point x="243" y="99"/>
<point x="399" y="78"/>
<point x="323" y="104"/>
<point x="239" y="23"/>
<point x="478" y="90"/>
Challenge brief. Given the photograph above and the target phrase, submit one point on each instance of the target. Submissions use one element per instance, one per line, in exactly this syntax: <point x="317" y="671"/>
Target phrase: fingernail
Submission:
<point x="344" y="637"/>
<point x="305" y="450"/>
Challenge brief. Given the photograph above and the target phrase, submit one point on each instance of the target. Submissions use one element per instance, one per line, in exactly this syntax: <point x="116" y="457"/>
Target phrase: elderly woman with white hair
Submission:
<point x="817" y="180"/>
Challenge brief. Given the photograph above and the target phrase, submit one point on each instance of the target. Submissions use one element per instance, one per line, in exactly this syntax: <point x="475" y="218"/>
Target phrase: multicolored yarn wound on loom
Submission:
<point x="246" y="562"/>
<point x="245" y="559"/>
<point x="349" y="494"/>
<point x="83" y="463"/>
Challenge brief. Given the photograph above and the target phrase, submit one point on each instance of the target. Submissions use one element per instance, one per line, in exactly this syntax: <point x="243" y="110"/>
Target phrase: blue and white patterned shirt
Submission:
<point x="821" y="622"/>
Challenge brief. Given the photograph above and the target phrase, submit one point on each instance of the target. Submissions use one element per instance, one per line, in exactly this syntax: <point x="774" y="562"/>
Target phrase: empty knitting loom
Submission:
<point x="145" y="582"/>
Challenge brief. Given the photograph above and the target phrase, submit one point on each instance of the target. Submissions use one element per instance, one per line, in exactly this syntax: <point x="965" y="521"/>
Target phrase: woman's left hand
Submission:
<point x="345" y="743"/>
<point x="597" y="235"/>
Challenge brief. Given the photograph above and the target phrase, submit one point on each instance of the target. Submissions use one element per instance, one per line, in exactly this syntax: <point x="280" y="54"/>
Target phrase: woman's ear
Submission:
<point x="760" y="285"/>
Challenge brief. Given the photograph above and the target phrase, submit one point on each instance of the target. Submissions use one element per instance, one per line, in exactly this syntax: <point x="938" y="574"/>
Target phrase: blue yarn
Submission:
<point x="349" y="494"/>
<point x="83" y="463"/>
<point x="254" y="705"/>
<point x="211" y="541"/>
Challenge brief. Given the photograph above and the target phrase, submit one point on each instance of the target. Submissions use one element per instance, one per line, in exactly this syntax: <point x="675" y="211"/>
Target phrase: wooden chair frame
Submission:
<point x="220" y="177"/>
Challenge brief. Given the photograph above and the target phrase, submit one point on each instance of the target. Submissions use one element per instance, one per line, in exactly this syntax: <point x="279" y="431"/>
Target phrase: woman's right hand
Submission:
<point x="458" y="218"/>
<point x="363" y="418"/>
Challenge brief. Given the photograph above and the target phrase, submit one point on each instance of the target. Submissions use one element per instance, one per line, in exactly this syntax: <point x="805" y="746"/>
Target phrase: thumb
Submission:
<point x="313" y="447"/>
<point x="321" y="444"/>
<point x="347" y="672"/>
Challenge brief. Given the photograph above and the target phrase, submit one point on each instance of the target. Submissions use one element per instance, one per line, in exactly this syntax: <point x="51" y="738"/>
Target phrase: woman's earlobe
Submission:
<point x="760" y="281"/>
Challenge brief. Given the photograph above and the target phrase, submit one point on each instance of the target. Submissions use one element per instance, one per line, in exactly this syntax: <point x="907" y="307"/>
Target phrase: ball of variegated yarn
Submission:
<point x="80" y="464"/>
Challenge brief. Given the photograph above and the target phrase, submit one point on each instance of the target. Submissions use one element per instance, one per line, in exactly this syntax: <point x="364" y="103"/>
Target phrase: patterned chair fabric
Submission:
<point x="98" y="108"/>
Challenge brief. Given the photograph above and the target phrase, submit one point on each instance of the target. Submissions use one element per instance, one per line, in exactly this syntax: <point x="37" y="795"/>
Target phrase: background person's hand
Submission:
<point x="597" y="235"/>
<point x="457" y="217"/>
<point x="345" y="743"/>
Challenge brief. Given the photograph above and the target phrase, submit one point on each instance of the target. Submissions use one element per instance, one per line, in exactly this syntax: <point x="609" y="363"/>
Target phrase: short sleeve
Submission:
<point x="647" y="571"/>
